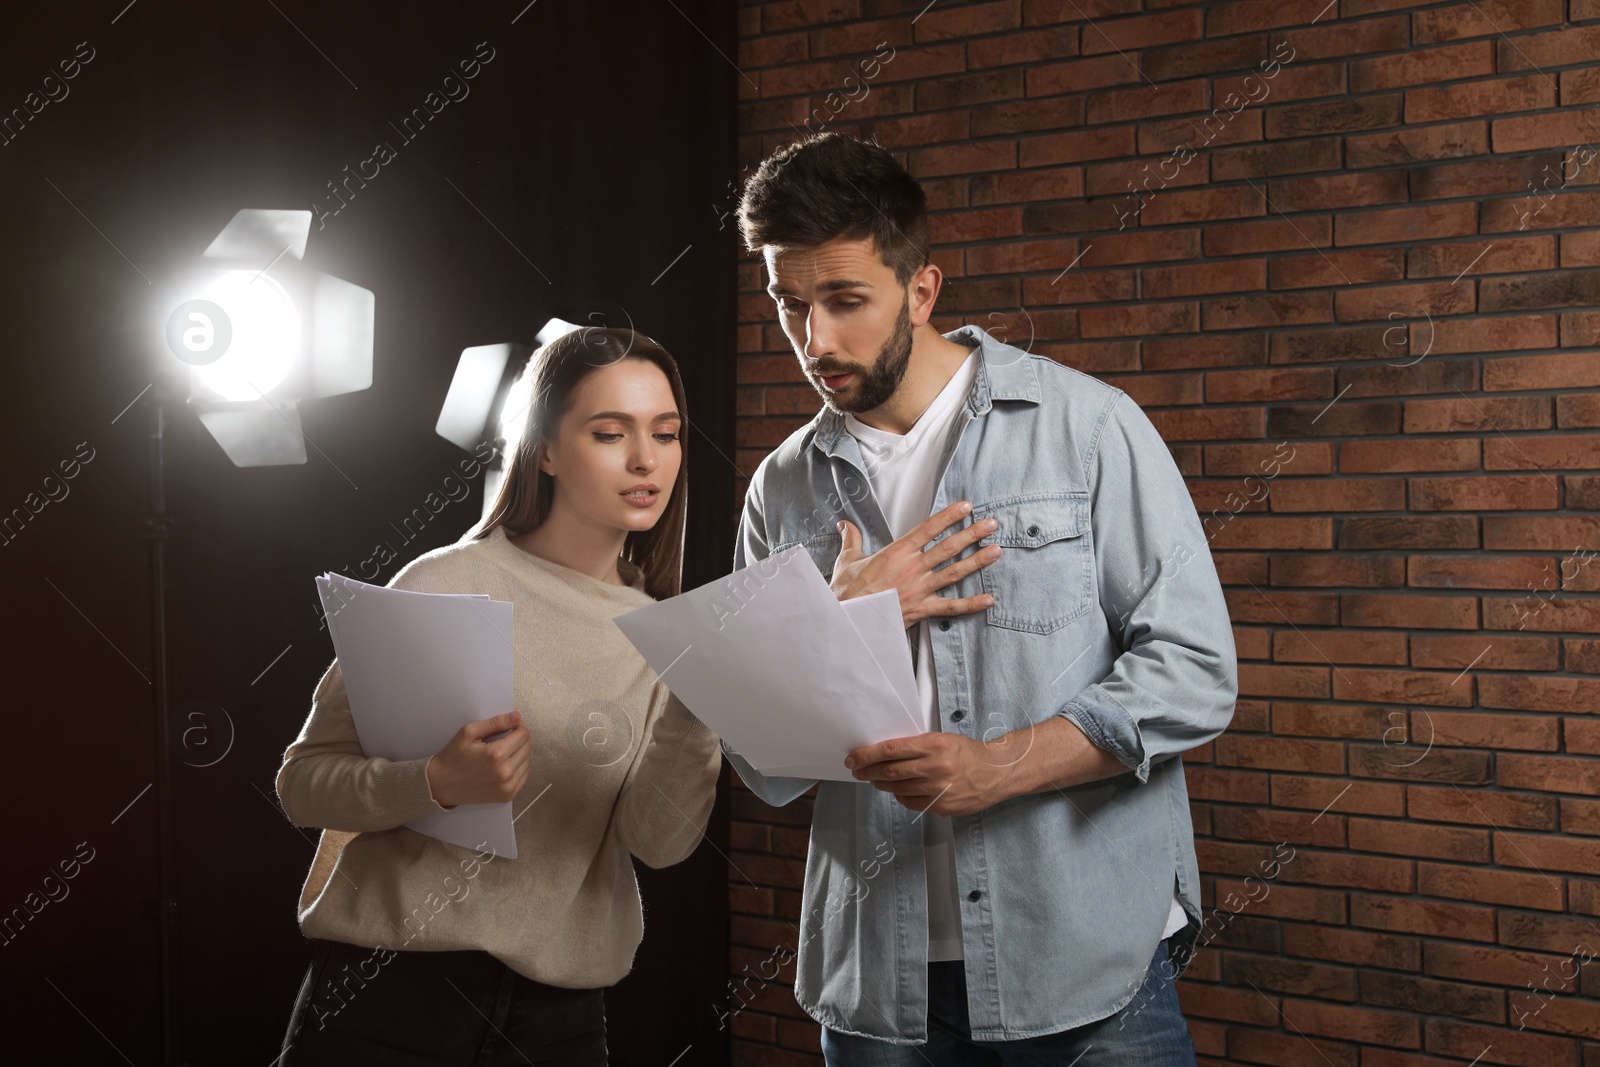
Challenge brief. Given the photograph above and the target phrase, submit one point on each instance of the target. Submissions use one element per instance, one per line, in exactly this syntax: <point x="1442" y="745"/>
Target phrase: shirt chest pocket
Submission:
<point x="1044" y="577"/>
<point x="823" y="549"/>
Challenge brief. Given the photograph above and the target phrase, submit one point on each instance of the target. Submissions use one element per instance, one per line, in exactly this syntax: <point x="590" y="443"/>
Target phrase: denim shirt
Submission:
<point x="1108" y="612"/>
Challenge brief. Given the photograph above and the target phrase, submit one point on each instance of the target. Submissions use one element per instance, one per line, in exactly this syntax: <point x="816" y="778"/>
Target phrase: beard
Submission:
<point x="874" y="385"/>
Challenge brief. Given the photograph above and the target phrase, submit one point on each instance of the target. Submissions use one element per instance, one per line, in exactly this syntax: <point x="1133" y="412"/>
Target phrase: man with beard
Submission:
<point x="1018" y="883"/>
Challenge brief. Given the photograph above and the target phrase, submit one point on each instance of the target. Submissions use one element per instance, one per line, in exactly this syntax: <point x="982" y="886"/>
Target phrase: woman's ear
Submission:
<point x="541" y="455"/>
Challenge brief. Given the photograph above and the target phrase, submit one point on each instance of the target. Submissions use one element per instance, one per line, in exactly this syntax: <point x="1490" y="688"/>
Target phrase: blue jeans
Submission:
<point x="451" y="1009"/>
<point x="1148" y="1032"/>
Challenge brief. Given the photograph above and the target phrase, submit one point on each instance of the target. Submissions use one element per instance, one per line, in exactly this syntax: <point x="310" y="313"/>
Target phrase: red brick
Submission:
<point x="1341" y="495"/>
<point x="1261" y="679"/>
<point x="1358" y="947"/>
<point x="1480" y="807"/>
<point x="1340" y="647"/>
<point x="1550" y="774"/>
<point x="1331" y="720"/>
<point x="1359" y="189"/>
<point x="1478" y="963"/>
<point x="1501" y="653"/>
<point x="1557" y="48"/>
<point x="1558" y="130"/>
<point x="1270" y="753"/>
<point x="1569" y="451"/>
<point x="1482" y="415"/>
<point x="1360" y="1024"/>
<point x="1234" y="787"/>
<point x="1314" y="609"/>
<point x="1480" y="335"/>
<point x="1335" y="795"/>
<point x="1219" y="1002"/>
<point x="1498" y="1044"/>
<point x="1030" y="47"/>
<point x="1304" y="457"/>
<point x="1484" y="19"/>
<point x="968" y="19"/>
<point x="1531" y="92"/>
<point x="1369" y="457"/>
<point x="1482" y="494"/>
<point x="1424" y="144"/>
<point x="1429" y="918"/>
<point x="1475" y="572"/>
<point x="1326" y="570"/>
<point x="1171" y="98"/>
<point x="1557" y="533"/>
<point x="1288" y="157"/>
<point x="1345" y="869"/>
<point x="1346" y="37"/>
<point x="1536" y="693"/>
<point x="1143" y="31"/>
<point x="1268" y="235"/>
<point x="1547" y="852"/>
<point x="1409" y="532"/>
<point x="1432" y="997"/>
<point x="1410" y="301"/>
<point x="1466" y="259"/>
<point x="1298" y="827"/>
<point x="1074" y="146"/>
<point x="1202" y="278"/>
<point x="1339" y="268"/>
<point x="1409" y="610"/>
<point x="1279" y="309"/>
<point x="1422" y="66"/>
<point x="1244" y="16"/>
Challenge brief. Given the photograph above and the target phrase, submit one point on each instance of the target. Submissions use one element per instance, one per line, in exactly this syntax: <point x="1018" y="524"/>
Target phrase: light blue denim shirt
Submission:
<point x="1109" y="612"/>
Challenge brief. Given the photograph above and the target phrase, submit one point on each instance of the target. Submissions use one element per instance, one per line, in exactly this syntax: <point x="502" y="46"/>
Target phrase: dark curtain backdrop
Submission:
<point x="590" y="153"/>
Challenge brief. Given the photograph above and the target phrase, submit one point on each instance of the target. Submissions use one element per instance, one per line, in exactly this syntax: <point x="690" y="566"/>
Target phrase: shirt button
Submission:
<point x="944" y="624"/>
<point x="975" y="895"/>
<point x="957" y="715"/>
<point x="1033" y="531"/>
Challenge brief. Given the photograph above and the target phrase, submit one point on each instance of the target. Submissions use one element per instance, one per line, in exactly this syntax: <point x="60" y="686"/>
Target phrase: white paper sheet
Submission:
<point x="773" y="663"/>
<point x="417" y="668"/>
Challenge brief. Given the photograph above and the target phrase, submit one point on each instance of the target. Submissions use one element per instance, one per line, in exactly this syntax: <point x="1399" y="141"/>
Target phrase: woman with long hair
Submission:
<point x="425" y="952"/>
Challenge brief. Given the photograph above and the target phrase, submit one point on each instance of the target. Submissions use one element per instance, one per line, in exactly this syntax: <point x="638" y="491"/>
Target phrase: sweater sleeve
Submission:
<point x="327" y="782"/>
<point x="662" y="810"/>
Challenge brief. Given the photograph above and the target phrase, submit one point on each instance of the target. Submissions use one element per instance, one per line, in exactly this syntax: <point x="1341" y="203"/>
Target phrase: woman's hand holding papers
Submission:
<point x="477" y="769"/>
<point x="904" y="565"/>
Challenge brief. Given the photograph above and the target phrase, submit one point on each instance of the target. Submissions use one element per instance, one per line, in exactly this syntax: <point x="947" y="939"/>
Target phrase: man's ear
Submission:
<point x="924" y="292"/>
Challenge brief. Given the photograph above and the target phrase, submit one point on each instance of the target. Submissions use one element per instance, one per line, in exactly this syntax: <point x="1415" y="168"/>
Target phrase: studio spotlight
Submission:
<point x="488" y="400"/>
<point x="261" y="333"/>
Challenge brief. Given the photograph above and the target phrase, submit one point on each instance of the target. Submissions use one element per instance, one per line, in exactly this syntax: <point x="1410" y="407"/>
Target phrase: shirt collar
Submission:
<point x="1005" y="372"/>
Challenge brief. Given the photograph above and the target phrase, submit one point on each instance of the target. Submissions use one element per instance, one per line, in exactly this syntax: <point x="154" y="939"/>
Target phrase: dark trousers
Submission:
<point x="450" y="1009"/>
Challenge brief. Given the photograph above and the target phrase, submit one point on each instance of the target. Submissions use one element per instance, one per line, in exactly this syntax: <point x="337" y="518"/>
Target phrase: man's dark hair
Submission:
<point x="829" y="185"/>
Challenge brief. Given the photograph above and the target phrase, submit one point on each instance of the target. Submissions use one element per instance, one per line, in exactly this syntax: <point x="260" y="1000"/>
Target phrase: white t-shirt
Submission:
<point x="903" y="470"/>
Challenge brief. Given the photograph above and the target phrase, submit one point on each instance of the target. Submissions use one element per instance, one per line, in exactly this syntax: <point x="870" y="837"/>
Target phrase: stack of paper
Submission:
<point x="789" y="676"/>
<point x="417" y="668"/>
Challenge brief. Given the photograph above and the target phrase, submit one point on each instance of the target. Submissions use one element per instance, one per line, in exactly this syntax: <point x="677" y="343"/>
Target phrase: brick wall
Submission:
<point x="1342" y="253"/>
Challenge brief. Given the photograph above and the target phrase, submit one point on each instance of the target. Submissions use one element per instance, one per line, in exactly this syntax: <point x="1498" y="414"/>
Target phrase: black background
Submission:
<point x="596" y="145"/>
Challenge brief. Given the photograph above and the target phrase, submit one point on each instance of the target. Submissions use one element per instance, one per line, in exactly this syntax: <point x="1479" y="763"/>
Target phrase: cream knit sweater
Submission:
<point x="619" y="766"/>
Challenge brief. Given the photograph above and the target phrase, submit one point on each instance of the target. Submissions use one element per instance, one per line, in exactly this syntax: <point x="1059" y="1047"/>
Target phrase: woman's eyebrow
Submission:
<point x="623" y="416"/>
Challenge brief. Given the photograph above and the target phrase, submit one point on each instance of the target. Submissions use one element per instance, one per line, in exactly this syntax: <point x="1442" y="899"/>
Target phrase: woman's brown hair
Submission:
<point x="552" y="375"/>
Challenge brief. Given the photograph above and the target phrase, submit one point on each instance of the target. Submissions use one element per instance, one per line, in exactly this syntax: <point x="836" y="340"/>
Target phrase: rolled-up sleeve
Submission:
<point x="750" y="546"/>
<point x="1174" y="685"/>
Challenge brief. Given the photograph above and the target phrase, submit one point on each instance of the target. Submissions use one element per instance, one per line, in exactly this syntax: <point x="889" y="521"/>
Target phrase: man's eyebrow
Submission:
<point x="832" y="286"/>
<point x="623" y="416"/>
